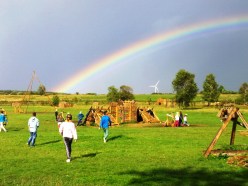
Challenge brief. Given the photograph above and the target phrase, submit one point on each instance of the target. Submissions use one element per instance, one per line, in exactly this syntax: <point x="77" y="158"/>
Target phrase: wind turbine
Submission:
<point x="155" y="87"/>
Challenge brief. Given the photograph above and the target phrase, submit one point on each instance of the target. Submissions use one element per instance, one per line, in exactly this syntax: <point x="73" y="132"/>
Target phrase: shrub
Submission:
<point x="55" y="100"/>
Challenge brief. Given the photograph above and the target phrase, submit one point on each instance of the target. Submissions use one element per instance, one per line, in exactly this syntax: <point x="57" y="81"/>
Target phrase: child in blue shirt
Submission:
<point x="104" y="124"/>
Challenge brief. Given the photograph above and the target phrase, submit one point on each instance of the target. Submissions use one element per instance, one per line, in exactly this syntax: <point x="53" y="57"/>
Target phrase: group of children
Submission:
<point x="177" y="120"/>
<point x="59" y="117"/>
<point x="181" y="120"/>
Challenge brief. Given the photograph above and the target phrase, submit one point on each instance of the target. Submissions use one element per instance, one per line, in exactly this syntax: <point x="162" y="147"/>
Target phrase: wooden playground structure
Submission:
<point x="22" y="106"/>
<point x="170" y="120"/>
<point x="121" y="112"/>
<point x="147" y="116"/>
<point x="166" y="102"/>
<point x="227" y="114"/>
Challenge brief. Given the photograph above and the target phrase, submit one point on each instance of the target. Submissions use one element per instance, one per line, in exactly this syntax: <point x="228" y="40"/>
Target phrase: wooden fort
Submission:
<point x="121" y="112"/>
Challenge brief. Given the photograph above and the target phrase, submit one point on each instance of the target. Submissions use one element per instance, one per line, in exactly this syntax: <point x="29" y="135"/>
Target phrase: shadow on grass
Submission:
<point x="89" y="155"/>
<point x="115" y="137"/>
<point x="49" y="142"/>
<point x="188" y="176"/>
<point x="14" y="129"/>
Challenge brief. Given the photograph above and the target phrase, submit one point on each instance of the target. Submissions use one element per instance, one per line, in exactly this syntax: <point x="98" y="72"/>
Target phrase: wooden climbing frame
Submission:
<point x="227" y="115"/>
<point x="121" y="112"/>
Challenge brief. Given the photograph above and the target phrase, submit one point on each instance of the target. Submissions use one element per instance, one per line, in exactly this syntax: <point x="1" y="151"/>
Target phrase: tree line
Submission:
<point x="185" y="90"/>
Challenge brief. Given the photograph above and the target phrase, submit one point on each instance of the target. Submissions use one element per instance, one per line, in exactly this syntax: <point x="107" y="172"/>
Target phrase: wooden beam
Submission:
<point x="243" y="120"/>
<point x="233" y="132"/>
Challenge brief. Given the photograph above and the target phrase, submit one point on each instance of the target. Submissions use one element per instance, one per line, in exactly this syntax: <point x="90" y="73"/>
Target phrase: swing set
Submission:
<point x="227" y="114"/>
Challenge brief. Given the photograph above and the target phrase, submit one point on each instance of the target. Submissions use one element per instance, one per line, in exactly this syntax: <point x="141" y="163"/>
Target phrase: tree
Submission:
<point x="221" y="89"/>
<point x="185" y="87"/>
<point x="41" y="90"/>
<point x="126" y="93"/>
<point x="113" y="94"/>
<point x="243" y="90"/>
<point x="211" y="90"/>
<point x="55" y="100"/>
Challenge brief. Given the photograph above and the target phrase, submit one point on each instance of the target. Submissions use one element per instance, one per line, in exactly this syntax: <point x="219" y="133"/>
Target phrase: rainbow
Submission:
<point x="212" y="26"/>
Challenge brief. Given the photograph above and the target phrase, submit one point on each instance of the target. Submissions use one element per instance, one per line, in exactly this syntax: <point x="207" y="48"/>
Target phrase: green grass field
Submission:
<point x="136" y="154"/>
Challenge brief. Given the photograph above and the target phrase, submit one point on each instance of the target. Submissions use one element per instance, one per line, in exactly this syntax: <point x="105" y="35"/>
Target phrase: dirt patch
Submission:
<point x="235" y="157"/>
<point x="198" y="125"/>
<point x="229" y="152"/>
<point x="244" y="133"/>
<point x="139" y="125"/>
<point x="241" y="161"/>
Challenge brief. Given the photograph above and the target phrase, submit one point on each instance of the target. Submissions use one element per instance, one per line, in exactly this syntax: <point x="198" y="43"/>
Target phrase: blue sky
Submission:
<point x="58" y="38"/>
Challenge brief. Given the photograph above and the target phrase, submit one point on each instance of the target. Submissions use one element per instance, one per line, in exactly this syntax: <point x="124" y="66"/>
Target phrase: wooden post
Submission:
<point x="235" y="122"/>
<point x="233" y="132"/>
<point x="123" y="114"/>
<point x="117" y="113"/>
<point x="130" y="111"/>
<point x="206" y="154"/>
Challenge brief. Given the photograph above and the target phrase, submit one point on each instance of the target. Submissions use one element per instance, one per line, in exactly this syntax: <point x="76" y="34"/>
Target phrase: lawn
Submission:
<point x="135" y="154"/>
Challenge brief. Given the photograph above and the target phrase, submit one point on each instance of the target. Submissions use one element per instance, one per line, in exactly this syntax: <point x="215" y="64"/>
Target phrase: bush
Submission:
<point x="239" y="101"/>
<point x="75" y="99"/>
<point x="55" y="100"/>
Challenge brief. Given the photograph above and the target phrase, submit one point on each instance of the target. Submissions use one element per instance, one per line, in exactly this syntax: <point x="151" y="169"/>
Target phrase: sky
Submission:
<point x="86" y="46"/>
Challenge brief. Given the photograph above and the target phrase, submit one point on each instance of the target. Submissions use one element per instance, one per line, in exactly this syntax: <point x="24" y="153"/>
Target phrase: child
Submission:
<point x="176" y="123"/>
<point x="2" y="120"/>
<point x="60" y="119"/>
<point x="185" y="120"/>
<point x="80" y="118"/>
<point x="68" y="130"/>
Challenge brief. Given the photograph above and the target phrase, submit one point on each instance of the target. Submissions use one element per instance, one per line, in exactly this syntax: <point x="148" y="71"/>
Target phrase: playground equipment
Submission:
<point x="147" y="115"/>
<point x="94" y="116"/>
<point x="227" y="114"/>
<point x="166" y="102"/>
<point x="26" y="97"/>
<point x="121" y="112"/>
<point x="170" y="120"/>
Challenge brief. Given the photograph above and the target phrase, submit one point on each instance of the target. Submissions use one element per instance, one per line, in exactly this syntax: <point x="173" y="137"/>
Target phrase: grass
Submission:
<point x="134" y="155"/>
